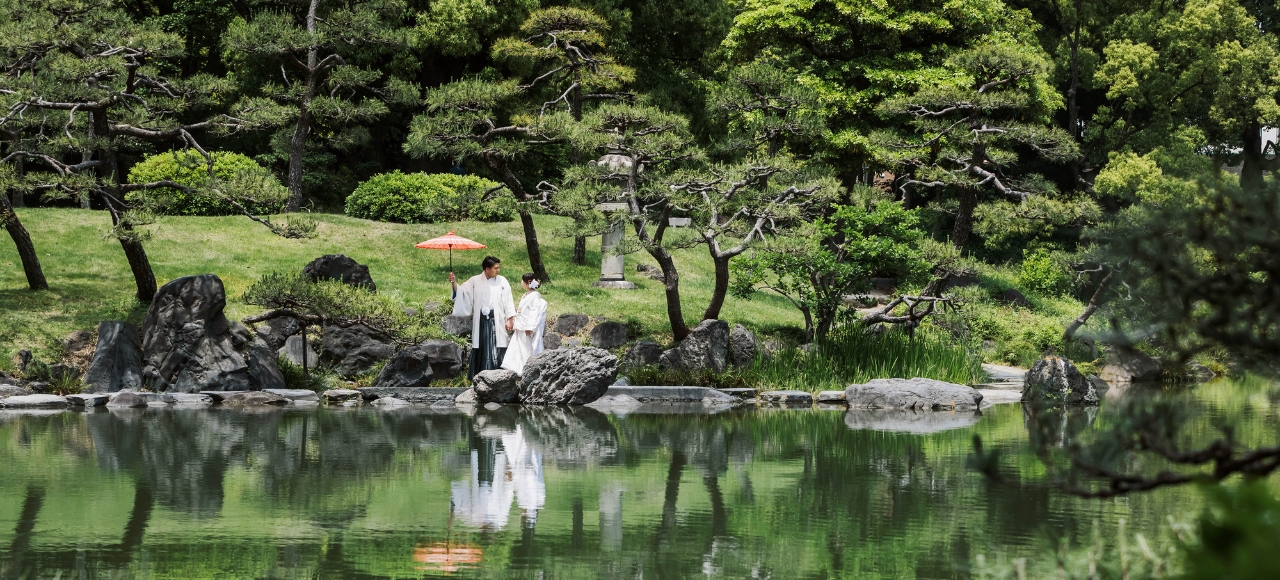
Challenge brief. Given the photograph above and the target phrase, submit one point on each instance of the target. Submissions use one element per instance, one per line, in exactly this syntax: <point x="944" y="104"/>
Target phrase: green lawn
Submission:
<point x="90" y="279"/>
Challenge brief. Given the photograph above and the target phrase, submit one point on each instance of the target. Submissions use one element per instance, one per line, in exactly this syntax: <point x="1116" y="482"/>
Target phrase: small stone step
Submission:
<point x="790" y="398"/>
<point x="187" y="399"/>
<point x="218" y="396"/>
<point x="34" y="402"/>
<point x="88" y="399"/>
<point x="418" y="395"/>
<point x="294" y="394"/>
<point x="741" y="392"/>
<point x="340" y="395"/>
<point x="831" y="397"/>
<point x="670" y="394"/>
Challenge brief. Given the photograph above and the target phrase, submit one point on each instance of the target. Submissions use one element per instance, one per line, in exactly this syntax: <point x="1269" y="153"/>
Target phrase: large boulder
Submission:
<point x="355" y="349"/>
<point x="188" y="345"/>
<point x="456" y="325"/>
<point x="574" y="376"/>
<point x="742" y="346"/>
<point x="551" y="341"/>
<point x="341" y="268"/>
<point x="117" y="362"/>
<point x="1127" y="365"/>
<point x="294" y="351"/>
<point x="276" y="332"/>
<point x="912" y="395"/>
<point x="609" y="334"/>
<point x="706" y="348"/>
<point x="571" y="324"/>
<point x="642" y="354"/>
<point x="1054" y="380"/>
<point x="497" y="386"/>
<point x="445" y="357"/>
<point x="410" y="367"/>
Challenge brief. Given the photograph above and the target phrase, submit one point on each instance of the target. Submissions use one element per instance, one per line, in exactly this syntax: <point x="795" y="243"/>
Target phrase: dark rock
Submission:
<point x="550" y="341"/>
<point x="1053" y="380"/>
<point x="340" y="395"/>
<point x="456" y="325"/>
<point x="609" y="334"/>
<point x="219" y="396"/>
<point x="642" y="354"/>
<point x="1200" y="372"/>
<point x="962" y="281"/>
<point x="742" y="346"/>
<point x="14" y="391"/>
<point x="88" y="399"/>
<point x="571" y="343"/>
<point x="117" y="361"/>
<point x="568" y="376"/>
<point x="255" y="398"/>
<point x="831" y="397"/>
<point x="341" y="268"/>
<point x="1127" y="365"/>
<point x="354" y="349"/>
<point x="1013" y="297"/>
<point x="445" y="357"/>
<point x="651" y="272"/>
<point x="61" y="372"/>
<point x="427" y="395"/>
<point x="278" y="330"/>
<point x="127" y="400"/>
<point x="740" y="392"/>
<point x="912" y="394"/>
<point x="571" y="324"/>
<point x="34" y="402"/>
<point x="22" y="359"/>
<point x="188" y="345"/>
<point x="410" y="367"/>
<point x="497" y="386"/>
<point x="786" y="398"/>
<point x="38" y="387"/>
<point x="706" y="348"/>
<point x="292" y="351"/>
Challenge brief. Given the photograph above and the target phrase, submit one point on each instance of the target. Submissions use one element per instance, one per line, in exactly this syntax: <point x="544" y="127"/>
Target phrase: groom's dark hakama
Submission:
<point x="487" y="356"/>
<point x="489" y="304"/>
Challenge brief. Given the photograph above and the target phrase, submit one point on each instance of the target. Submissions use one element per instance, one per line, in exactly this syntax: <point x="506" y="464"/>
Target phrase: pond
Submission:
<point x="545" y="493"/>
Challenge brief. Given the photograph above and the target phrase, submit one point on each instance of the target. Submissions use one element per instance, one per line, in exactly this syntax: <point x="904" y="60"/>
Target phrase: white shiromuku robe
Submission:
<point x="479" y="295"/>
<point x="531" y="315"/>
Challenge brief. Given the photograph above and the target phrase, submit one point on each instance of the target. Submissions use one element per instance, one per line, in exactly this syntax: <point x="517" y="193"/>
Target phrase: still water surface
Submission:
<point x="542" y="493"/>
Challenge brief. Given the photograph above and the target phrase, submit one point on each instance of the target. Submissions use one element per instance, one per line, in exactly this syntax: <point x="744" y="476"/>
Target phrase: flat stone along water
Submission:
<point x="546" y="493"/>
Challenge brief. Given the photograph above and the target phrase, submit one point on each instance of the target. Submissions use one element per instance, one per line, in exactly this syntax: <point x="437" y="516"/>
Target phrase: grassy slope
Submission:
<point x="90" y="278"/>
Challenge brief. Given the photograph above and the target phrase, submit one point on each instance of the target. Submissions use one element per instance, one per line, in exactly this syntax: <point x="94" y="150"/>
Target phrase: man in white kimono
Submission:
<point x="486" y="298"/>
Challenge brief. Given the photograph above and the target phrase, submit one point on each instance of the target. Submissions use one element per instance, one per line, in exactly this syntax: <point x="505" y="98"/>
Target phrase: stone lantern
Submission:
<point x="612" y="262"/>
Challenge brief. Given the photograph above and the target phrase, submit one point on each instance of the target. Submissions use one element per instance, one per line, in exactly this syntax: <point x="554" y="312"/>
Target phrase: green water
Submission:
<point x="551" y="493"/>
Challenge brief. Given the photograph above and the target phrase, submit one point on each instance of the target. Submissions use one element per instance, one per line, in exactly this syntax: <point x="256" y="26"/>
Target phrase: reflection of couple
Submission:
<point x="486" y="298"/>
<point x="516" y="475"/>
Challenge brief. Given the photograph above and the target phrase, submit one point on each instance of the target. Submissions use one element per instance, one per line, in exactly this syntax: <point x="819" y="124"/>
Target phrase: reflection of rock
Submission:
<point x="918" y="422"/>
<point x="911" y="394"/>
<point x="706" y="348"/>
<point x="568" y="376"/>
<point x="117" y="361"/>
<point x="570" y="437"/>
<point x="1056" y="426"/>
<point x="1053" y="380"/>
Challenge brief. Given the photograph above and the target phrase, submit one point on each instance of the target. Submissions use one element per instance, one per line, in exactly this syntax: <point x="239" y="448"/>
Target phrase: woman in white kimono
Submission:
<point x="530" y="323"/>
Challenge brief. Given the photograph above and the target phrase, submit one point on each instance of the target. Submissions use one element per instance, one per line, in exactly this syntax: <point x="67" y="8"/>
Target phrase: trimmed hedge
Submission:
<point x="189" y="168"/>
<point x="423" y="198"/>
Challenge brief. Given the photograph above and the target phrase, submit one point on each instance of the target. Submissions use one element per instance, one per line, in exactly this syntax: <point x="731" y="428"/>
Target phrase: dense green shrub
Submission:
<point x="1042" y="274"/>
<point x="190" y="168"/>
<point x="423" y="198"/>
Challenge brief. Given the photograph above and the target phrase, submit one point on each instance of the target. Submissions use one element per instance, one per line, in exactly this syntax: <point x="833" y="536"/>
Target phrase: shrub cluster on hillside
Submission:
<point x="424" y="198"/>
<point x="190" y="168"/>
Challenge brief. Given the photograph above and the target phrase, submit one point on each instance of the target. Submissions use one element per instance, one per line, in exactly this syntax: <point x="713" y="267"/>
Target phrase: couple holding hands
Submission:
<point x="486" y="298"/>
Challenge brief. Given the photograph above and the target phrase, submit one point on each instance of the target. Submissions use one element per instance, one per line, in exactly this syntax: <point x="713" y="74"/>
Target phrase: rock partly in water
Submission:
<point x="419" y="395"/>
<point x="1127" y="365"/>
<point x="609" y="334"/>
<point x="1053" y="380"/>
<point x="34" y="402"/>
<point x="294" y="394"/>
<point x="467" y="397"/>
<point x="742" y="346"/>
<point x="341" y="395"/>
<point x="410" y="367"/>
<point x="355" y="349"/>
<point x="642" y="354"/>
<point x="117" y="361"/>
<point x="456" y="325"/>
<point x="292" y="351"/>
<point x="187" y="399"/>
<point x="88" y="399"/>
<point x="254" y="398"/>
<point x="497" y="386"/>
<point x="571" y="324"/>
<point x="706" y="348"/>
<point x="741" y="392"/>
<point x="789" y="398"/>
<point x="189" y="346"/>
<point x="341" y="268"/>
<point x="128" y="400"/>
<point x="568" y="376"/>
<point x="831" y="397"/>
<point x="912" y="394"/>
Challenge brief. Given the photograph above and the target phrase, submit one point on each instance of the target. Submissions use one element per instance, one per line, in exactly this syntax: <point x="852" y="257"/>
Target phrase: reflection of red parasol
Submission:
<point x="447" y="557"/>
<point x="450" y="242"/>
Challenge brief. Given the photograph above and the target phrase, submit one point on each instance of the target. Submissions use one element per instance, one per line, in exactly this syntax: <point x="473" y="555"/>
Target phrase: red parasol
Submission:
<point x="450" y="242"/>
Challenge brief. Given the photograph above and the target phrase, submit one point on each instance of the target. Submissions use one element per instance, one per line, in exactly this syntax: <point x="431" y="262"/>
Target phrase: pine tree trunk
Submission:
<point x="580" y="251"/>
<point x="964" y="218"/>
<point x="533" y="248"/>
<point x="721" y="288"/>
<point x="301" y="131"/>
<point x="26" y="250"/>
<point x="671" y="277"/>
<point x="19" y="198"/>
<point x="144" y="278"/>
